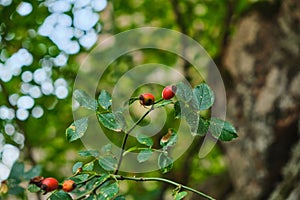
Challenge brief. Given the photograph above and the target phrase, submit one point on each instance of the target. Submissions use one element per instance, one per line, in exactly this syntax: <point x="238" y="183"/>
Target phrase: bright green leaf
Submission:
<point x="33" y="188"/>
<point x="109" y="120"/>
<point x="177" y="110"/>
<point x="169" y="139"/>
<point x="144" y="155"/>
<point x="192" y="118"/>
<point x="184" y="92"/>
<point x="106" y="148"/>
<point x="104" y="100"/>
<point x="180" y="195"/>
<point x="77" y="129"/>
<point x="99" y="181"/>
<point x="59" y="195"/>
<point x="91" y="197"/>
<point x="143" y="139"/>
<point x="91" y="152"/>
<point x="17" y="171"/>
<point x="108" y="163"/>
<point x="88" y="166"/>
<point x="76" y="166"/>
<point x="85" y="100"/>
<point x="109" y="191"/>
<point x="222" y="130"/>
<point x="204" y="95"/>
<point x="16" y="190"/>
<point x="96" y="182"/>
<point x="101" y="197"/>
<point x="202" y="127"/>
<point x="121" y="197"/>
<point x="81" y="177"/>
<point x="165" y="163"/>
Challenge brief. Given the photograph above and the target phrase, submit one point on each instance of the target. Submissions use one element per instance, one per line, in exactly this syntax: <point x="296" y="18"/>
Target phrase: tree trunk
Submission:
<point x="263" y="59"/>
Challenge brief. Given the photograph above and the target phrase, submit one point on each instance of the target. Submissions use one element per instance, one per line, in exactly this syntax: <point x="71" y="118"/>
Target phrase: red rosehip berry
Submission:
<point x="49" y="184"/>
<point x="169" y="92"/>
<point x="146" y="99"/>
<point x="68" y="185"/>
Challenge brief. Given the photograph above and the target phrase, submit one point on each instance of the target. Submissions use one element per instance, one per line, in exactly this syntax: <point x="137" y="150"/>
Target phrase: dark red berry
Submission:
<point x="68" y="185"/>
<point x="146" y="99"/>
<point x="49" y="184"/>
<point x="169" y="92"/>
<point x="37" y="180"/>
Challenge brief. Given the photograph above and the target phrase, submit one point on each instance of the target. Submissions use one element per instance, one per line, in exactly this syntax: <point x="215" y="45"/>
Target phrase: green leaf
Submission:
<point x="109" y="120"/>
<point x="85" y="100"/>
<point x="169" y="139"/>
<point x="96" y="182"/>
<point x="184" y="92"/>
<point x="202" y="127"/>
<point x="99" y="181"/>
<point x="165" y="163"/>
<point x="91" y="197"/>
<point x="222" y="130"/>
<point x="91" y="152"/>
<point x="143" y="139"/>
<point x="104" y="100"/>
<point x="144" y="155"/>
<point x="34" y="171"/>
<point x="108" y="163"/>
<point x="183" y="109"/>
<point x="121" y="197"/>
<point x="192" y="118"/>
<point x="180" y="195"/>
<point x="59" y="195"/>
<point x="33" y="188"/>
<point x="17" y="171"/>
<point x="177" y="110"/>
<point x="81" y="177"/>
<point x="76" y="166"/>
<point x="204" y="96"/>
<point x="77" y="129"/>
<point x="109" y="191"/>
<point x="16" y="190"/>
<point x="88" y="166"/>
<point x="106" y="148"/>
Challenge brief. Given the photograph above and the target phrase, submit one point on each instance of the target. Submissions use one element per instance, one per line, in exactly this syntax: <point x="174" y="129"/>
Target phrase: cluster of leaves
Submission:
<point x="18" y="176"/>
<point x="102" y="183"/>
<point x="189" y="106"/>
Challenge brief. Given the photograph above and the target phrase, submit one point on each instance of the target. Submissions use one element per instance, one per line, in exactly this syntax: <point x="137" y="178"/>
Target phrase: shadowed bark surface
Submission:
<point x="263" y="59"/>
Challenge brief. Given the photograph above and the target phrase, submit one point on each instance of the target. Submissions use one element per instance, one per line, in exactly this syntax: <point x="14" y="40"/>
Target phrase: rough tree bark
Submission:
<point x="263" y="58"/>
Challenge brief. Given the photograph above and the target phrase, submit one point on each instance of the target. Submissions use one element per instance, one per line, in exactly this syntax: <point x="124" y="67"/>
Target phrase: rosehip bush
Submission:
<point x="90" y="182"/>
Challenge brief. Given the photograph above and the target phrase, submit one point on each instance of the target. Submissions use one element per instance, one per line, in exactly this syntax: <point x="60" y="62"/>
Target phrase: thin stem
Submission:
<point x="140" y="148"/>
<point x="118" y="177"/>
<point x="159" y="100"/>
<point x="126" y="137"/>
<point x="140" y="179"/>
